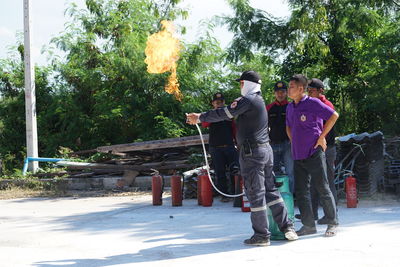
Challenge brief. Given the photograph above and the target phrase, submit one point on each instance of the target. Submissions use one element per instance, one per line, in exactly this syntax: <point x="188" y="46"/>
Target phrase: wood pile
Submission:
<point x="166" y="156"/>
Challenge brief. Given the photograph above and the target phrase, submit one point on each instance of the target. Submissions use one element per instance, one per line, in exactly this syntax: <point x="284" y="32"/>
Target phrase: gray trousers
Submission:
<point x="260" y="189"/>
<point x="330" y="155"/>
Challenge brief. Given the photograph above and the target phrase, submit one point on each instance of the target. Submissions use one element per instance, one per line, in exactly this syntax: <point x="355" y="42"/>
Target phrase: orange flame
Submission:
<point x="162" y="53"/>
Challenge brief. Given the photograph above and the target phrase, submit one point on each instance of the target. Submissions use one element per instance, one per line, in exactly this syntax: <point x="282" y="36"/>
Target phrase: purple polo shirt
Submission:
<point x="305" y="120"/>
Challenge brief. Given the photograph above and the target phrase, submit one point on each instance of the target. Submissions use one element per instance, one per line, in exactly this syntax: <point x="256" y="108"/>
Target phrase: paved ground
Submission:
<point x="129" y="231"/>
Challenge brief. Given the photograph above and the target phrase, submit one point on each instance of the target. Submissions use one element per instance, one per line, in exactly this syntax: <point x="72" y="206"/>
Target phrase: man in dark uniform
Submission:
<point x="222" y="147"/>
<point x="277" y="133"/>
<point x="255" y="157"/>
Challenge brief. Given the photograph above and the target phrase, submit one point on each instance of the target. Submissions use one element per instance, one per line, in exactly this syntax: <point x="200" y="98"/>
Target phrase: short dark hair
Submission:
<point x="300" y="79"/>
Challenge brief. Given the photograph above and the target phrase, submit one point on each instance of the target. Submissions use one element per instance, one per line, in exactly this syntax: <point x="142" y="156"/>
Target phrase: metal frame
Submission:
<point x="33" y="159"/>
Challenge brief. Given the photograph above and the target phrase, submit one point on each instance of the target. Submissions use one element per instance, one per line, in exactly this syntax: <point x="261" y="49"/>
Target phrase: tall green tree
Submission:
<point x="113" y="97"/>
<point x="12" y="108"/>
<point x="340" y="41"/>
<point x="101" y="93"/>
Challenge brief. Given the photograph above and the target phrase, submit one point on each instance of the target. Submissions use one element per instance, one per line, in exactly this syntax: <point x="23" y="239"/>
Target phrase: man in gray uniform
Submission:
<point x="255" y="157"/>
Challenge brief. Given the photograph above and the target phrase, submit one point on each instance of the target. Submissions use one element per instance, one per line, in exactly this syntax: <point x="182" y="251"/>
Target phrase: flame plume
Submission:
<point x="162" y="53"/>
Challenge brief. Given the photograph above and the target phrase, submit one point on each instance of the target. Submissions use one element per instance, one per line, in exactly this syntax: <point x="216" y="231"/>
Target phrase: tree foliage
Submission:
<point x="101" y="92"/>
<point x="350" y="44"/>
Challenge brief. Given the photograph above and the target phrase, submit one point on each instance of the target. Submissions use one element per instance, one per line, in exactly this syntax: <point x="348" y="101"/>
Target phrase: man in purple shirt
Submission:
<point x="305" y="128"/>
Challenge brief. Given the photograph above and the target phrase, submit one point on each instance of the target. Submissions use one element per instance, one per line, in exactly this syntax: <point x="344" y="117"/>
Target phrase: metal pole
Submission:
<point x="30" y="95"/>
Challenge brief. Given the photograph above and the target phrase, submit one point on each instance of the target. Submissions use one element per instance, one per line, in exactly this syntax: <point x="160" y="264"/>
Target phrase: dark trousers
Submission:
<point x="223" y="158"/>
<point x="283" y="155"/>
<point x="313" y="169"/>
<point x="330" y="154"/>
<point x="260" y="189"/>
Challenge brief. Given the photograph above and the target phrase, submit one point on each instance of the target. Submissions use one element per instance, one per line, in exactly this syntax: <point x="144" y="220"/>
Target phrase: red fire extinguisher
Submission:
<point x="206" y="191"/>
<point x="156" y="189"/>
<point x="176" y="190"/>
<point x="237" y="202"/>
<point x="201" y="173"/>
<point x="351" y="192"/>
<point x="245" y="200"/>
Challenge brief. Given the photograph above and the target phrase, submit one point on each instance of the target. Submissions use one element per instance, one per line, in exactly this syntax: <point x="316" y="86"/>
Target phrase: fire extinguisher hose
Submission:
<point x="208" y="167"/>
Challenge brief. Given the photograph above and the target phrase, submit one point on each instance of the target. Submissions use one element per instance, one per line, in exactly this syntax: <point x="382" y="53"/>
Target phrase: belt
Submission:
<point x="259" y="144"/>
<point x="254" y="145"/>
<point x="222" y="146"/>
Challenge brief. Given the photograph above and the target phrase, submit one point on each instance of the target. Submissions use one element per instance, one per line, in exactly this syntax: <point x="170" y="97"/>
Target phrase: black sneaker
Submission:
<point x="257" y="241"/>
<point x="305" y="230"/>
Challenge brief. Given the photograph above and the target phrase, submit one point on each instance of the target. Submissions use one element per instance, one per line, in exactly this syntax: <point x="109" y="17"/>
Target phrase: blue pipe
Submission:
<point x="29" y="159"/>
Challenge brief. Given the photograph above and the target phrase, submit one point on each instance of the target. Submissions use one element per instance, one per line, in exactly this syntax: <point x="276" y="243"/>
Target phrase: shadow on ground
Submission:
<point x="190" y="230"/>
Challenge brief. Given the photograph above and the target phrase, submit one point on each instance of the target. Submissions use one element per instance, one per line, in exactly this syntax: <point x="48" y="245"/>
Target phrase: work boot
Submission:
<point x="305" y="230"/>
<point x="290" y="234"/>
<point x="257" y="241"/>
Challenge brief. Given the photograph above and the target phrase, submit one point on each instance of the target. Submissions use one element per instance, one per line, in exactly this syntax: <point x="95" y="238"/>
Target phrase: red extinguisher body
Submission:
<point x="176" y="190"/>
<point x="201" y="173"/>
<point x="237" y="202"/>
<point x="156" y="189"/>
<point x="245" y="201"/>
<point x="351" y="192"/>
<point x="206" y="191"/>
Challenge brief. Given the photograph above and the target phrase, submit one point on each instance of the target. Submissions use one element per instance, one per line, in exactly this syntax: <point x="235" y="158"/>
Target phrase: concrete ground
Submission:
<point x="129" y="231"/>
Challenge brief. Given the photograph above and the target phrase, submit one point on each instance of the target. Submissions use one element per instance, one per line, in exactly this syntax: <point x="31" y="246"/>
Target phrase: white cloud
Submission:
<point x="48" y="20"/>
<point x="206" y="9"/>
<point x="6" y="32"/>
<point x="7" y="39"/>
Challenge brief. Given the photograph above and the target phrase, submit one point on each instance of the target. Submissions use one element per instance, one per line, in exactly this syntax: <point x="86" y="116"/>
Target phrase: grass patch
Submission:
<point x="18" y="192"/>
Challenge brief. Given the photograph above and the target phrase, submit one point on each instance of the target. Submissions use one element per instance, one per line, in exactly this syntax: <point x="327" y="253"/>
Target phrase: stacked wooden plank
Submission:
<point x="167" y="156"/>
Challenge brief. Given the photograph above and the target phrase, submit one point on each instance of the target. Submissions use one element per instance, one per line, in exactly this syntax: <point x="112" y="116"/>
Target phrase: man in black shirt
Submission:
<point x="222" y="147"/>
<point x="277" y="133"/>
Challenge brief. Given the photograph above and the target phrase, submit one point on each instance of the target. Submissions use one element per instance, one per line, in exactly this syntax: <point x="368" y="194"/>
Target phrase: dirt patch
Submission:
<point x="16" y="192"/>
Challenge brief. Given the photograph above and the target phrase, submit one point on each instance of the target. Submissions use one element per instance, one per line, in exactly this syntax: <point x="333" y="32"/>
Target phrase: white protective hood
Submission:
<point x="250" y="88"/>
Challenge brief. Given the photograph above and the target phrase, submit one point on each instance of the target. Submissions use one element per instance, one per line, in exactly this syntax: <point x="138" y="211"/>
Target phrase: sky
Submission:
<point x="48" y="20"/>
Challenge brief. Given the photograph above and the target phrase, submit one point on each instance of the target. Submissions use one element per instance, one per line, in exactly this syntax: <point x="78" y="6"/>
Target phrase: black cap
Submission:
<point x="218" y="96"/>
<point x="280" y="86"/>
<point x="315" y="83"/>
<point x="251" y="76"/>
<point x="300" y="78"/>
